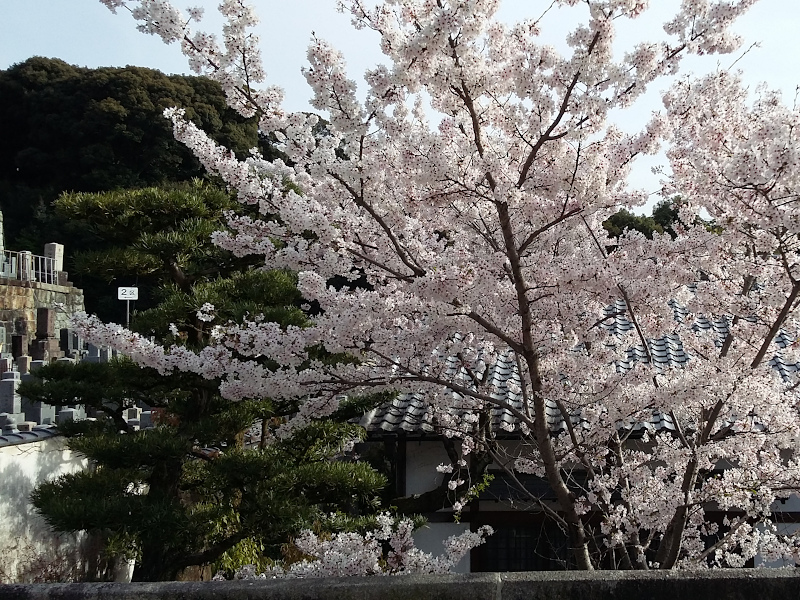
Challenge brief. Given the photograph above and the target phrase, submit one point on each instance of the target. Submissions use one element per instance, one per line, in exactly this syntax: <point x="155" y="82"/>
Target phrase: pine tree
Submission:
<point x="213" y="482"/>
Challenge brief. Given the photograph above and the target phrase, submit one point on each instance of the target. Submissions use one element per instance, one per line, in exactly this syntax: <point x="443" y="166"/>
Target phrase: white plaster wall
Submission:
<point x="790" y="504"/>
<point x="784" y="529"/>
<point x="430" y="538"/>
<point x="422" y="458"/>
<point x="24" y="536"/>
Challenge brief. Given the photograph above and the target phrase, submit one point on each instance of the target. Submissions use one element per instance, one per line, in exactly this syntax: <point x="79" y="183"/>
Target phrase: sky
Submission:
<point x="86" y="33"/>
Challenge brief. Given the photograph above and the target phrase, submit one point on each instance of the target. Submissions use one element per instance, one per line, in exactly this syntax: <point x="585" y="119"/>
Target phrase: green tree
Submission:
<point x="156" y="237"/>
<point x="664" y="216"/>
<point x="67" y="128"/>
<point x="625" y="220"/>
<point x="665" y="213"/>
<point x="192" y="490"/>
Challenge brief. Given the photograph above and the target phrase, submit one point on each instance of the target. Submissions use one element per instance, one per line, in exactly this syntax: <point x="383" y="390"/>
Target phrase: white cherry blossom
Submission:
<point x="463" y="202"/>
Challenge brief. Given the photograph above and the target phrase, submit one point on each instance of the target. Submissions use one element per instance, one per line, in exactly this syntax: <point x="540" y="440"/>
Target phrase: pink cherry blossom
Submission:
<point x="463" y="201"/>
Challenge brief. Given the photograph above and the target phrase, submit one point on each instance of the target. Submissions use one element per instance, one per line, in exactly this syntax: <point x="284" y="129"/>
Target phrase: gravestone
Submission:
<point x="45" y="322"/>
<point x="24" y="364"/>
<point x="70" y="343"/>
<point x="44" y="414"/>
<point x="46" y="347"/>
<point x="37" y="349"/>
<point x="66" y="414"/>
<point x="93" y="354"/>
<point x="8" y="422"/>
<point x="55" y="252"/>
<point x="10" y="401"/>
<point x="17" y="340"/>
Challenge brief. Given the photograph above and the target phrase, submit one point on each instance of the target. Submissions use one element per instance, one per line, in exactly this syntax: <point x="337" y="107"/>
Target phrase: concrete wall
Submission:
<point x="27" y="544"/>
<point x="732" y="584"/>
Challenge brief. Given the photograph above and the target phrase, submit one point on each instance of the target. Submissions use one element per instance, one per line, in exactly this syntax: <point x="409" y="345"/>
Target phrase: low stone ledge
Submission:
<point x="416" y="587"/>
<point x="718" y="584"/>
<point x="731" y="584"/>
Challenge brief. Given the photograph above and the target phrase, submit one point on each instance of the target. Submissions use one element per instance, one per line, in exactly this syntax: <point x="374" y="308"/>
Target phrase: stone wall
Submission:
<point x="19" y="301"/>
<point x="730" y="584"/>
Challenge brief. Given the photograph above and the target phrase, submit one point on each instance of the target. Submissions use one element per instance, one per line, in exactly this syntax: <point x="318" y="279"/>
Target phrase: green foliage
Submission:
<point x="125" y="215"/>
<point x="192" y="491"/>
<point x="474" y="492"/>
<point x="624" y="220"/>
<point x="89" y="500"/>
<point x="123" y="452"/>
<point x="355" y="406"/>
<point x="67" y="128"/>
<point x="665" y="215"/>
<point x="243" y="293"/>
<point x="157" y="236"/>
<point x="108" y="386"/>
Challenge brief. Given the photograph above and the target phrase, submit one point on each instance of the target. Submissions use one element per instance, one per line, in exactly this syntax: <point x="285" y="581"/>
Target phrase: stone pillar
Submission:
<point x="55" y="252"/>
<point x="25" y="267"/>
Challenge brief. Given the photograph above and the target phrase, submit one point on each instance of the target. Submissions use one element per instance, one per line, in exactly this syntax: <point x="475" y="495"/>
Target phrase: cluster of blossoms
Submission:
<point x="463" y="202"/>
<point x="353" y="554"/>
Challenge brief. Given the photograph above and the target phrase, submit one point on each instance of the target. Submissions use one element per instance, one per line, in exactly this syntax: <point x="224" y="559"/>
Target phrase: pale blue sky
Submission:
<point x="85" y="33"/>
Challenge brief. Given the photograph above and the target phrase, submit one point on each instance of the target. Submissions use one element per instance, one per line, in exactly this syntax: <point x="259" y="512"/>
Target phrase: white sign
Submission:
<point x="128" y="293"/>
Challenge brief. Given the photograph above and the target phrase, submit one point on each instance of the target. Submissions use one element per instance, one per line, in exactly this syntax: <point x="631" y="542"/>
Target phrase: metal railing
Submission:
<point x="26" y="266"/>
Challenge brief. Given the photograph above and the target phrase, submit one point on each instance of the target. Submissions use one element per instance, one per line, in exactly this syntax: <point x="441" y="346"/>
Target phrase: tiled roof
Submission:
<point x="38" y="433"/>
<point x="410" y="414"/>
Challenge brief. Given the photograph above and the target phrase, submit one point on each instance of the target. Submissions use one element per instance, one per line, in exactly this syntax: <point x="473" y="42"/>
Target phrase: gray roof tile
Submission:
<point x="409" y="413"/>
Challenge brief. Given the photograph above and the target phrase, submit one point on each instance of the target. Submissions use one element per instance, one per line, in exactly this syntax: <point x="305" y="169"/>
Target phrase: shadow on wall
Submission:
<point x="30" y="551"/>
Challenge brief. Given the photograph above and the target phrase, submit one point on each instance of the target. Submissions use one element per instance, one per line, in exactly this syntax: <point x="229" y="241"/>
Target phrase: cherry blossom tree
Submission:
<point x="389" y="549"/>
<point x="464" y="197"/>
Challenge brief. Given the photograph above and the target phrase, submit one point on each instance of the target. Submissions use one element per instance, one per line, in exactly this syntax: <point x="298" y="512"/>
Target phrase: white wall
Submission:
<point x="25" y="539"/>
<point x="430" y="538"/>
<point x="422" y="458"/>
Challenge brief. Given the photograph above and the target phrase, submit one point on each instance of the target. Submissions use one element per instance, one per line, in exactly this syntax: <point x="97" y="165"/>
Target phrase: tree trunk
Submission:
<point x="157" y="564"/>
<point x="566" y="499"/>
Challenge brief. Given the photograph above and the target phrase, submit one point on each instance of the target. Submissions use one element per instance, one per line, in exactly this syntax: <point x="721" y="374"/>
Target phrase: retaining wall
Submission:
<point x="20" y="299"/>
<point x="732" y="584"/>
